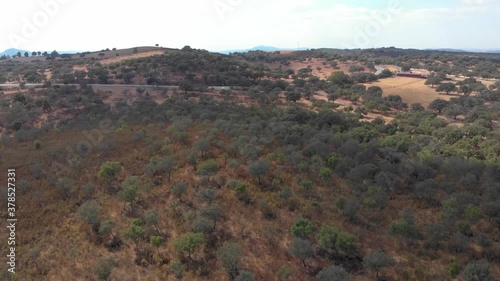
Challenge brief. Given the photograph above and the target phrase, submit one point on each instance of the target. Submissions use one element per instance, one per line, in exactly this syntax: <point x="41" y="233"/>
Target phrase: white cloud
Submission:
<point x="474" y="2"/>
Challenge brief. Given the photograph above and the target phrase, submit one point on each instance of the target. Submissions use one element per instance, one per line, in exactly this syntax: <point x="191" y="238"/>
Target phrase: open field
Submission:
<point x="410" y="89"/>
<point x="132" y="56"/>
<point x="108" y="54"/>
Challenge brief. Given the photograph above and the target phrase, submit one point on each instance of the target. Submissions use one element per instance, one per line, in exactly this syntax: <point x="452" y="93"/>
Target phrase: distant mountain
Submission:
<point x="69" y="52"/>
<point x="12" y="52"/>
<point x="492" y="51"/>
<point x="259" y="48"/>
<point x="447" y="50"/>
<point x="482" y="51"/>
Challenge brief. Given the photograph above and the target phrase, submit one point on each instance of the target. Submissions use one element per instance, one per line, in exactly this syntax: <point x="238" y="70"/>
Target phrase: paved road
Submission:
<point x="32" y="85"/>
<point x="379" y="70"/>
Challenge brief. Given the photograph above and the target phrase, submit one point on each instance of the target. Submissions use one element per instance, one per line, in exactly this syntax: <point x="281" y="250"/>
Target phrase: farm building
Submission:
<point x="411" y="75"/>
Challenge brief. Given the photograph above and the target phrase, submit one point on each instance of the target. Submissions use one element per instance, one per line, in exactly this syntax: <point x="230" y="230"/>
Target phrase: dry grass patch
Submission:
<point x="411" y="90"/>
<point x="133" y="56"/>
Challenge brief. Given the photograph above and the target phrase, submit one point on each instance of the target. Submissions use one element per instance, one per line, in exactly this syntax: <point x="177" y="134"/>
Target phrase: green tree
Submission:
<point x="386" y="73"/>
<point x="356" y="68"/>
<point x="189" y="242"/>
<point x="293" y="96"/>
<point x="108" y="171"/>
<point x="302" y="249"/>
<point x="33" y="255"/>
<point x="302" y="228"/>
<point x="454" y="270"/>
<point x="327" y="237"/>
<point x="208" y="168"/>
<point x="104" y="267"/>
<point x="179" y="189"/>
<point x="167" y="165"/>
<point x="106" y="227"/>
<point x="192" y="159"/>
<point x="66" y="186"/>
<point x="186" y="86"/>
<point x="156" y="241"/>
<point x="340" y="78"/>
<point x="229" y="256"/>
<point x="478" y="271"/>
<point x="135" y="233"/>
<point x="158" y="166"/>
<point x="245" y="276"/>
<point x="346" y="243"/>
<point x="203" y="145"/>
<point x="213" y="213"/>
<point x="405" y="227"/>
<point x="446" y="87"/>
<point x="152" y="218"/>
<point x="325" y="174"/>
<point x="454" y="110"/>
<point x="206" y="195"/>
<point x="178" y="269"/>
<point x="472" y="213"/>
<point x="438" y="105"/>
<point x="433" y="80"/>
<point x="284" y="272"/>
<point x="333" y="273"/>
<point x="203" y="225"/>
<point x="89" y="212"/>
<point x="37" y="144"/>
<point x="259" y="168"/>
<point x="417" y="107"/>
<point x="377" y="260"/>
<point x="130" y="190"/>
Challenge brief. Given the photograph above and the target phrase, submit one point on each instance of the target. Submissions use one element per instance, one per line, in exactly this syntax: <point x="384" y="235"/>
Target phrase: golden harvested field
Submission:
<point x="412" y="90"/>
<point x="132" y="56"/>
<point x="392" y="68"/>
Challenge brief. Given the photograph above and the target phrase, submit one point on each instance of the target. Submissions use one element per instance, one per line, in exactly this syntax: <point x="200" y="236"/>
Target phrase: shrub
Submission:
<point x="178" y="269"/>
<point x="37" y="144"/>
<point x="229" y="255"/>
<point x="104" y="267"/>
<point x="377" y="260"/>
<point x="478" y="271"/>
<point x="333" y="273"/>
<point x="245" y="276"/>
<point x="454" y="269"/>
<point x="302" y="228"/>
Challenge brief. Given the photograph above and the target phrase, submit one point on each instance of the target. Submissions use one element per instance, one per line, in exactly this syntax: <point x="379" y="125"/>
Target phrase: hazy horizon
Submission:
<point x="239" y="24"/>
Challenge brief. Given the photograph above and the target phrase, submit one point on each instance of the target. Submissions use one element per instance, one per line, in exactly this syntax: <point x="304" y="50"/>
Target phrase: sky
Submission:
<point x="216" y="25"/>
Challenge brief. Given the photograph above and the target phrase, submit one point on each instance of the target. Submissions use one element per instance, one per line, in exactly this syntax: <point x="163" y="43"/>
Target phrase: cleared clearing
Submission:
<point x="321" y="68"/>
<point x="134" y="56"/>
<point x="411" y="90"/>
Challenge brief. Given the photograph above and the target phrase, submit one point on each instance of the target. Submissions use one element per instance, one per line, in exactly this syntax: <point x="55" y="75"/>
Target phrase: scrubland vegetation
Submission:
<point x="261" y="182"/>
